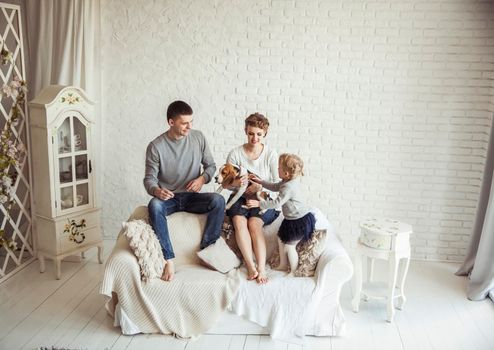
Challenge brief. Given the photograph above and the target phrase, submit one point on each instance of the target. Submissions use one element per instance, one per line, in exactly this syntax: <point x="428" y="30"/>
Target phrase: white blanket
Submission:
<point x="186" y="307"/>
<point x="285" y="304"/>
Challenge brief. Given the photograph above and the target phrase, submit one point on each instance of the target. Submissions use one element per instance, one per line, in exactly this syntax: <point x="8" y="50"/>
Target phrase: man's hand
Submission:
<point x="252" y="203"/>
<point x="163" y="194"/>
<point x="196" y="184"/>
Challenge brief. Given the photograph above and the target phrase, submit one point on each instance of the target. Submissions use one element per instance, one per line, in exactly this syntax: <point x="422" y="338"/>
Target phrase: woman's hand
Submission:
<point x="252" y="203"/>
<point x="253" y="188"/>
<point x="241" y="181"/>
<point x="163" y="194"/>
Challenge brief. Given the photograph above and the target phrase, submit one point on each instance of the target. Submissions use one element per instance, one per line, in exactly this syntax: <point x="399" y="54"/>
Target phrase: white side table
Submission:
<point x="389" y="240"/>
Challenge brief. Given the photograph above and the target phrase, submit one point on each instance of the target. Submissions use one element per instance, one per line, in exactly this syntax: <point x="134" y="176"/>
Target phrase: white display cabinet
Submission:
<point x="67" y="219"/>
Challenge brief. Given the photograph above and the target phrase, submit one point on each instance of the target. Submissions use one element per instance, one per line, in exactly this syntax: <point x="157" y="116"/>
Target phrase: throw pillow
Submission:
<point x="308" y="254"/>
<point x="219" y="256"/>
<point x="146" y="247"/>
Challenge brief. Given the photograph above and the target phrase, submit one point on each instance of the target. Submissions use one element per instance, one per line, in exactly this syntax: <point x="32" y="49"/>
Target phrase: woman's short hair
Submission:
<point x="257" y="120"/>
<point x="292" y="164"/>
<point x="177" y="109"/>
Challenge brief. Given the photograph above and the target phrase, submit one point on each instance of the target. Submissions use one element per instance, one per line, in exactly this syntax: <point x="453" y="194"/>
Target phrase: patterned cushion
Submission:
<point x="228" y="234"/>
<point x="146" y="248"/>
<point x="308" y="254"/>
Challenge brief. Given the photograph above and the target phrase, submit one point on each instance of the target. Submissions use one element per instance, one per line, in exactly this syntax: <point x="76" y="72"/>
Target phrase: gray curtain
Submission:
<point x="64" y="44"/>
<point x="479" y="263"/>
<point x="64" y="49"/>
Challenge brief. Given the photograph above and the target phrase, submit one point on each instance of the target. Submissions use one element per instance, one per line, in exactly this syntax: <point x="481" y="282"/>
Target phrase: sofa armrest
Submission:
<point x="331" y="273"/>
<point x="334" y="267"/>
<point x="121" y="268"/>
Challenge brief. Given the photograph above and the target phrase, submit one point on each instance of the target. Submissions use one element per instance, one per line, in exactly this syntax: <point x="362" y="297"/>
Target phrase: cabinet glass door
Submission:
<point x="73" y="163"/>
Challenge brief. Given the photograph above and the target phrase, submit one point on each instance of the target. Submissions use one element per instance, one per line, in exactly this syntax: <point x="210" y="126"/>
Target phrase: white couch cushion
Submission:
<point x="219" y="256"/>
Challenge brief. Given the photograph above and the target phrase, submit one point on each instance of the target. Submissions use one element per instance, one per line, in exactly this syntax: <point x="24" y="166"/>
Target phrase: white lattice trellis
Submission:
<point x="16" y="222"/>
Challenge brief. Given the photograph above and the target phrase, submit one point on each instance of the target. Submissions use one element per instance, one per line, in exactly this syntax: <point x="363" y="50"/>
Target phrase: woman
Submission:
<point x="262" y="161"/>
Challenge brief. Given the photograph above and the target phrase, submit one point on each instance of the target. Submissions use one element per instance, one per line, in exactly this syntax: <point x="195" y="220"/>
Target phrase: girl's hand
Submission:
<point x="255" y="178"/>
<point x="253" y="188"/>
<point x="252" y="203"/>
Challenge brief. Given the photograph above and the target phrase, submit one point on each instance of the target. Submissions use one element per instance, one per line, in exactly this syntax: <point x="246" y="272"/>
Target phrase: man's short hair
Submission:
<point x="177" y="109"/>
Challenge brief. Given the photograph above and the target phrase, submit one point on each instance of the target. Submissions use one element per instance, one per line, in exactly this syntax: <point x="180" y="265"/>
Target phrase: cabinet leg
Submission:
<point x="100" y="254"/>
<point x="357" y="289"/>
<point x="83" y="255"/>
<point x="402" y="299"/>
<point x="42" y="266"/>
<point x="392" y="272"/>
<point x="58" y="269"/>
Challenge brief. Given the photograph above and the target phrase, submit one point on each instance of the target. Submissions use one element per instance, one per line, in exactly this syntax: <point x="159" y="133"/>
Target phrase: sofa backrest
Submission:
<point x="186" y="233"/>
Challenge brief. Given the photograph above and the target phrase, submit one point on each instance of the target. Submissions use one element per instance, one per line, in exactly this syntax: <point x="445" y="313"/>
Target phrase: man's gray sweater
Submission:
<point x="172" y="164"/>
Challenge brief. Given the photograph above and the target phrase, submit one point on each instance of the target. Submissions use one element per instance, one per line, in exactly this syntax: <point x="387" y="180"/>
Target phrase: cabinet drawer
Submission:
<point x="374" y="240"/>
<point x="92" y="235"/>
<point x="91" y="219"/>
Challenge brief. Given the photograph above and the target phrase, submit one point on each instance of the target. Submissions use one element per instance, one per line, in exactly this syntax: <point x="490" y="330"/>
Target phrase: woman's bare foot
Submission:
<point x="252" y="273"/>
<point x="262" y="278"/>
<point x="168" y="271"/>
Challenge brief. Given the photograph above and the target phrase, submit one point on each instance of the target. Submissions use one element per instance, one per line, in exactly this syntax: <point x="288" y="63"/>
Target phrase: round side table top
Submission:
<point x="385" y="226"/>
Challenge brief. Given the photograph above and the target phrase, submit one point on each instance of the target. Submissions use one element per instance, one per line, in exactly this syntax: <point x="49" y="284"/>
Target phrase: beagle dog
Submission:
<point x="226" y="175"/>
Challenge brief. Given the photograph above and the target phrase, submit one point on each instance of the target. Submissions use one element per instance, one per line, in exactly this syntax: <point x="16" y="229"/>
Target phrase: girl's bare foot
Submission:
<point x="262" y="278"/>
<point x="283" y="268"/>
<point x="168" y="271"/>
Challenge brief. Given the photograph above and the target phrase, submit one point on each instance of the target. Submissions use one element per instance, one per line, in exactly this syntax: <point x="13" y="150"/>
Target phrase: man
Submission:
<point x="174" y="179"/>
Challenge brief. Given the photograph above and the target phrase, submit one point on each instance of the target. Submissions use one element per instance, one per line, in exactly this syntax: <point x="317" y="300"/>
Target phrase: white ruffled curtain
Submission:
<point x="479" y="263"/>
<point x="64" y="44"/>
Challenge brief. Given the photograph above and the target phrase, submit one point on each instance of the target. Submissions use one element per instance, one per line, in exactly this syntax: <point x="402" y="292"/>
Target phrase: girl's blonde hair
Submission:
<point x="292" y="164"/>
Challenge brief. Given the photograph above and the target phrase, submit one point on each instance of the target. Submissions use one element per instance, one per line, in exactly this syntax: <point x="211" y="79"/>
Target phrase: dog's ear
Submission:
<point x="228" y="179"/>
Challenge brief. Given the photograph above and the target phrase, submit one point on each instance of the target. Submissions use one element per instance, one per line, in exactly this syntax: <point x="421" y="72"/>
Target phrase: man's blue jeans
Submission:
<point x="199" y="203"/>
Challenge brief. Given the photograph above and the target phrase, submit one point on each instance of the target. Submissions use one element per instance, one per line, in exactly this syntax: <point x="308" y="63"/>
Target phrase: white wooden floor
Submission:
<point x="37" y="310"/>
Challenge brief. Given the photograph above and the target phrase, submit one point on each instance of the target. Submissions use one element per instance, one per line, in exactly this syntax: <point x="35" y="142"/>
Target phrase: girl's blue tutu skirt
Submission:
<point x="298" y="229"/>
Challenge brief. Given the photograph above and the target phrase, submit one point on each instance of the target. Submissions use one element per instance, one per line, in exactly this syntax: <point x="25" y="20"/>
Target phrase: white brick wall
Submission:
<point x="389" y="103"/>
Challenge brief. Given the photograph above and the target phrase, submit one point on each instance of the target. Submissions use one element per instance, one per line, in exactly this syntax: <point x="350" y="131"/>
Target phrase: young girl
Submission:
<point x="299" y="222"/>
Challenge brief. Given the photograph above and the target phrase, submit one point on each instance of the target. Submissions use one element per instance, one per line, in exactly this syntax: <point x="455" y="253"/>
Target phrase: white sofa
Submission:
<point x="287" y="307"/>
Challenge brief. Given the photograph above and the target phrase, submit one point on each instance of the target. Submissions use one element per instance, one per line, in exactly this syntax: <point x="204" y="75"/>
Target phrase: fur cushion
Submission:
<point x="219" y="256"/>
<point x="146" y="247"/>
<point x="308" y="254"/>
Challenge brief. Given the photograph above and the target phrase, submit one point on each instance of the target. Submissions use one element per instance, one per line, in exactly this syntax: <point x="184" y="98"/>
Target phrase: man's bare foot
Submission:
<point x="168" y="271"/>
<point x="262" y="278"/>
<point x="252" y="273"/>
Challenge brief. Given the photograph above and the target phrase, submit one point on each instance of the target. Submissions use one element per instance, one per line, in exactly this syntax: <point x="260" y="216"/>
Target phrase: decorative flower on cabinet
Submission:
<point x="70" y="98"/>
<point x="73" y="229"/>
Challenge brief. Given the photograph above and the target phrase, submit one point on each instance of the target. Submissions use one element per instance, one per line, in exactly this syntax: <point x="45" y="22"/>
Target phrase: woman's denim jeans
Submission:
<point x="199" y="203"/>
